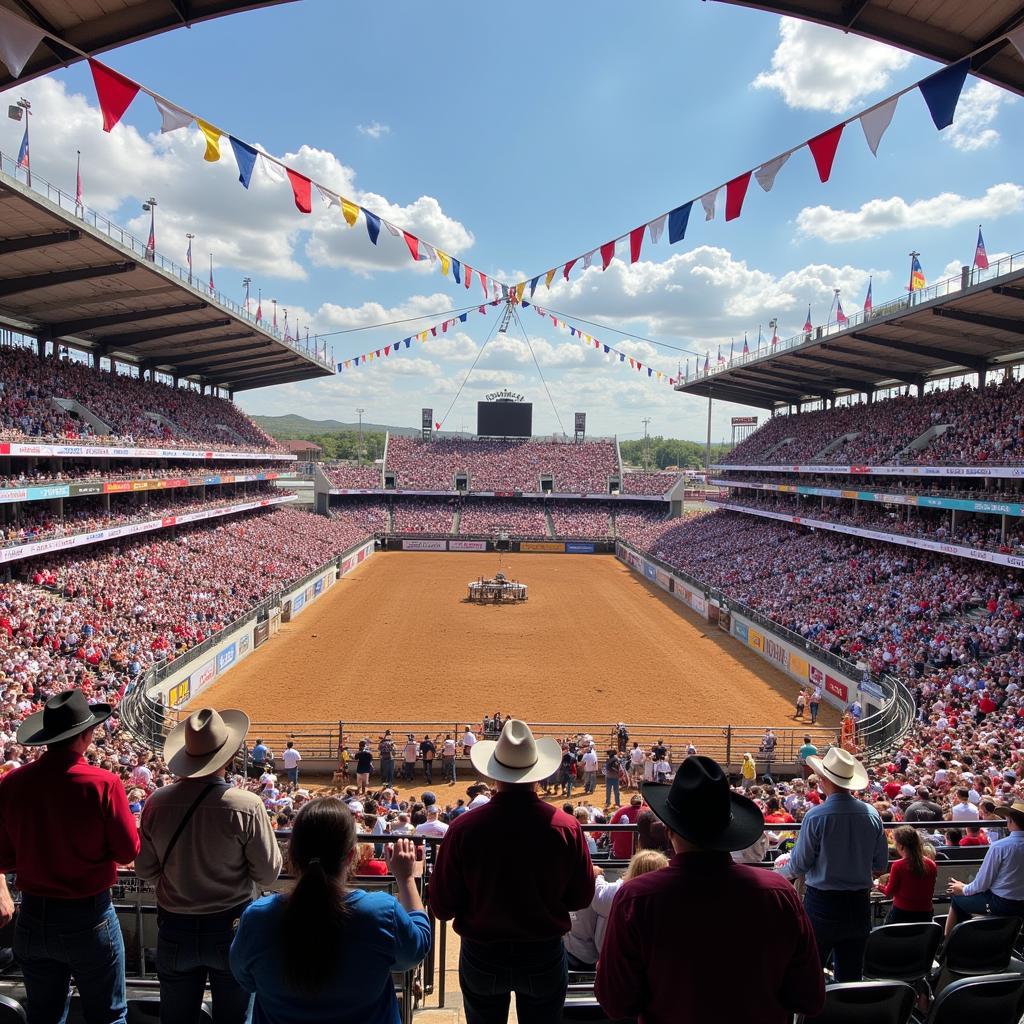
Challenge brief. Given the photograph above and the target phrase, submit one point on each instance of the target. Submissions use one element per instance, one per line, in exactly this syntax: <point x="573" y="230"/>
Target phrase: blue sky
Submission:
<point x="518" y="146"/>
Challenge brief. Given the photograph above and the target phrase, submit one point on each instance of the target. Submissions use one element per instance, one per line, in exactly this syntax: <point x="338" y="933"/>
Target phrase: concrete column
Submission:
<point x="982" y="373"/>
<point x="40" y="347"/>
<point x="1002" y="528"/>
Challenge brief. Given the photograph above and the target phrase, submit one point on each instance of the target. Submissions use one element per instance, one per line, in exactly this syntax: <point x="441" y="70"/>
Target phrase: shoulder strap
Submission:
<point x="184" y="821"/>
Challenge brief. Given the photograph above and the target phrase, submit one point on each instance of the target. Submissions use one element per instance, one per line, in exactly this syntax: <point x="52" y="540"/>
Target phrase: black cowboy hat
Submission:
<point x="64" y="715"/>
<point x="700" y="807"/>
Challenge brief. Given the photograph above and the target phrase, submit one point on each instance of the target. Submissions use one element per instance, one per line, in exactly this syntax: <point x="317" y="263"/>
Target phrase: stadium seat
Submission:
<point x="902" y="952"/>
<point x="11" y="1011"/>
<point x="992" y="999"/>
<point x="865" y="1002"/>
<point x="980" y="946"/>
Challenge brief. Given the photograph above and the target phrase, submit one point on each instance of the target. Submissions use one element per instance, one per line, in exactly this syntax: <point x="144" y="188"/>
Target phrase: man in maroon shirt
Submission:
<point x="662" y="959"/>
<point x="512" y="911"/>
<point x="64" y="828"/>
<point x="622" y="842"/>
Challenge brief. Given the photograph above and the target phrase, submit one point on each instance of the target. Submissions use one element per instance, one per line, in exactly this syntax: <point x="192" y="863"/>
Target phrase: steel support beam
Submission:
<point x="90" y="323"/>
<point x="26" y="242"/>
<point x="928" y="351"/>
<point x="1009" y="291"/>
<point x="34" y="282"/>
<point x="996" y="323"/>
<point x="121" y="341"/>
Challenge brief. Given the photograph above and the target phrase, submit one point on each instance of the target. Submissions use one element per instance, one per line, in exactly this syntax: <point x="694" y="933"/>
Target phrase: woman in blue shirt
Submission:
<point x="324" y="953"/>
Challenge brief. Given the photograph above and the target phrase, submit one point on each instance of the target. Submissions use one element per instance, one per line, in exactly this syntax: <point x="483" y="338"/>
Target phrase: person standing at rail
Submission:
<point x="386" y="753"/>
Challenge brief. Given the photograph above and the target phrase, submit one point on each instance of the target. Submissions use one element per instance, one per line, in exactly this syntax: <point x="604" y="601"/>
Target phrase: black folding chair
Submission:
<point x="981" y="946"/>
<point x="865" y="1002"/>
<point x="11" y="1011"/>
<point x="991" y="999"/>
<point x="902" y="952"/>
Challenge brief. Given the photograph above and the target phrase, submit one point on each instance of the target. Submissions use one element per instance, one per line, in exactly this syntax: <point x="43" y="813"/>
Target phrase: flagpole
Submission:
<point x="910" y="283"/>
<point x="835" y="295"/>
<point x="189" y="236"/>
<point x="707" y="450"/>
<point x="79" y="205"/>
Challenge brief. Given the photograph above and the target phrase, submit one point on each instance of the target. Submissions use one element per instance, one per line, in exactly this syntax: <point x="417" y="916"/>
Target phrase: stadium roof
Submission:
<point x="954" y="327"/>
<point x="82" y="281"/>
<point x="944" y="30"/>
<point x="92" y="26"/>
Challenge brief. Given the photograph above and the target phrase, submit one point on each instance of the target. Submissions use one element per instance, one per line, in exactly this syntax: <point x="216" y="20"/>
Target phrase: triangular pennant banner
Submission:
<point x="302" y="191"/>
<point x="876" y="121"/>
<point x="273" y="170"/>
<point x="767" y="173"/>
<point x="350" y="212"/>
<point x="548" y="278"/>
<point x="456" y="270"/>
<point x="171" y="117"/>
<point x="520" y="288"/>
<point x="708" y="201"/>
<point x="245" y="157"/>
<point x="677" y="221"/>
<point x="414" y="246"/>
<point x="656" y="227"/>
<point x="18" y="39"/>
<point x="941" y="91"/>
<point x="446" y="262"/>
<point x="735" y="192"/>
<point x="372" y="225"/>
<point x="823" y="148"/>
<point x="569" y="266"/>
<point x="327" y="196"/>
<point x="468" y="276"/>
<point x="607" y="254"/>
<point x="636" y="242"/>
<point x="212" y="136"/>
<point x="588" y="259"/>
<point x="114" y="92"/>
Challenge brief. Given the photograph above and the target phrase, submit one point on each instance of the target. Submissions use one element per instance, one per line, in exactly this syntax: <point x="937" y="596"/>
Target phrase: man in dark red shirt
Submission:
<point x="622" y="842"/>
<point x="662" y="956"/>
<point x="64" y="828"/>
<point x="511" y="911"/>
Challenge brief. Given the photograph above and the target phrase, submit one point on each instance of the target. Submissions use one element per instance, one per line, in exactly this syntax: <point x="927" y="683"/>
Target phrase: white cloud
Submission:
<point x="975" y="114"/>
<point x="374" y="129"/>
<point x="820" y="68"/>
<point x="370" y="313"/>
<point x="880" y="216"/>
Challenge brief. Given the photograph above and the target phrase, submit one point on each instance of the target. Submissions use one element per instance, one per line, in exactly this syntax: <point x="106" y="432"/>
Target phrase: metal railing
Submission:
<point x="1013" y="263"/>
<point x="123" y="237"/>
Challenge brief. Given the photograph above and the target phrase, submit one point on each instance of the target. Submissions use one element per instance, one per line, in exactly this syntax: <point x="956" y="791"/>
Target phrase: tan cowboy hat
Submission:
<point x="204" y="742"/>
<point x="839" y="767"/>
<point x="1017" y="807"/>
<point x="516" y="756"/>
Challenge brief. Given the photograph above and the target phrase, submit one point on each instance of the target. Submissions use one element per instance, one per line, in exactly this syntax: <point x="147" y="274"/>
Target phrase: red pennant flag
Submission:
<point x="632" y="362"/>
<point x="437" y="426"/>
<point x="444" y="327"/>
<point x="607" y="255"/>
<point x="483" y="282"/>
<point x="433" y="331"/>
<point x="636" y="240"/>
<point x="823" y="148"/>
<point x="302" y="189"/>
<point x="414" y="244"/>
<point x="569" y="266"/>
<point x="481" y="309"/>
<point x="378" y="352"/>
<point x="387" y="350"/>
<point x="735" y="192"/>
<point x="114" y="92"/>
<point x="467" y="275"/>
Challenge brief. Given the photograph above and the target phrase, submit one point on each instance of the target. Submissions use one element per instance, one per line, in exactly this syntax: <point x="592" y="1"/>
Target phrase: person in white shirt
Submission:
<point x="291" y="758"/>
<point x="432" y="826"/>
<point x="480" y="794"/>
<point x="448" y="751"/>
<point x="141" y="775"/>
<point x="589" y="771"/>
<point x="468" y="739"/>
<point x="963" y="809"/>
<point x="636" y="765"/>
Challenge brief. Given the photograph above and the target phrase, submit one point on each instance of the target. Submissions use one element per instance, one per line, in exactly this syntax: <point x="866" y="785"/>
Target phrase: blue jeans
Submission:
<point x="293" y="775"/>
<point x="190" y="949"/>
<point x="841" y="922"/>
<point x="387" y="771"/>
<point x="448" y="766"/>
<point x="986" y="902"/>
<point x="57" y="940"/>
<point x="611" y="784"/>
<point x="489" y="972"/>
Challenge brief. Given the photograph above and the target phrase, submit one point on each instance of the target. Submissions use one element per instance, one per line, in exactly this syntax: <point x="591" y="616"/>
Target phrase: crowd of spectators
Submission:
<point x="502" y="466"/>
<point x="587" y="520"/>
<point x="424" y="515"/>
<point x="982" y="426"/>
<point x="364" y="517"/>
<point x="186" y="419"/>
<point x="489" y="515"/>
<point x="23" y="474"/>
<point x="354" y="477"/>
<point x="648" y="483"/>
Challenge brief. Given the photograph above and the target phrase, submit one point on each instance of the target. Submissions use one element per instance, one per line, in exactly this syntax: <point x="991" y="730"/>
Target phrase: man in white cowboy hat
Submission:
<point x="209" y="848"/>
<point x="662" y="955"/>
<point x="64" y="828"/>
<point x="512" y="912"/>
<point x="998" y="887"/>
<point x="841" y="848"/>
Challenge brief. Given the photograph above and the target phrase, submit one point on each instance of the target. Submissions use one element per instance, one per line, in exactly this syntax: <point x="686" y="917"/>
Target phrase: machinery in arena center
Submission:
<point x="497" y="590"/>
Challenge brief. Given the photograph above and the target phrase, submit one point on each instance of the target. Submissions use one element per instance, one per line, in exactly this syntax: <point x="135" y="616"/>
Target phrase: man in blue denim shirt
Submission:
<point x="841" y="848"/>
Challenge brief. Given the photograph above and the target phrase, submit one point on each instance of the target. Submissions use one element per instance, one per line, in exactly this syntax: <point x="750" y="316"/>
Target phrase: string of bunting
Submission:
<point x="941" y="93"/>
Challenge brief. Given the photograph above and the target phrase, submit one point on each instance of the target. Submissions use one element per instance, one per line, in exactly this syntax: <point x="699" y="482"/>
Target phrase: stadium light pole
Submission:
<point x="246" y="281"/>
<point x="23" y="108"/>
<point x="150" y="208"/>
<point x="189" y="235"/>
<point x="647" y="446"/>
<point x="359" y="413"/>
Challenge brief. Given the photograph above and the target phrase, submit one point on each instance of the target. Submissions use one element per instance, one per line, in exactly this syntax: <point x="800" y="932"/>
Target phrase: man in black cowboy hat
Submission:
<point x="64" y="828"/>
<point x="666" y="954"/>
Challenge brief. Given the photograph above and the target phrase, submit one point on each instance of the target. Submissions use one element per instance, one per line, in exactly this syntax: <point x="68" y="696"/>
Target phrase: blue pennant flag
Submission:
<point x="605" y="349"/>
<point x="677" y="221"/>
<point x="533" y="287"/>
<point x="526" y="305"/>
<point x="408" y="342"/>
<point x="941" y="91"/>
<point x="245" y="157"/>
<point x="372" y="225"/>
<point x="463" y="317"/>
<point x="456" y="270"/>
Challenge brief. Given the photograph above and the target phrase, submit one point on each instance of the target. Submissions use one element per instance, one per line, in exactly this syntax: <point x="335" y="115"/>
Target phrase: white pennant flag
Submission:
<point x="18" y="40"/>
<point x="171" y="117"/>
<point x="396" y="232"/>
<point x="876" y="121"/>
<point x="1017" y="38"/>
<point x="767" y="173"/>
<point x="656" y="227"/>
<point x="273" y="169"/>
<point x="588" y="259"/>
<point x="708" y="201"/>
<point x="427" y="251"/>
<point x="328" y="197"/>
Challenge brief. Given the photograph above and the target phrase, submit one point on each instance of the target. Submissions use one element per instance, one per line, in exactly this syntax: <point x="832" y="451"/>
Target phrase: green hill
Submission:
<point x="291" y="427"/>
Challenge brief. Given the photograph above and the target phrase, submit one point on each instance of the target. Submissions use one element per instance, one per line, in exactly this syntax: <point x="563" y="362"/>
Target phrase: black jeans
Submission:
<point x="489" y="972"/>
<point x="842" y="922"/>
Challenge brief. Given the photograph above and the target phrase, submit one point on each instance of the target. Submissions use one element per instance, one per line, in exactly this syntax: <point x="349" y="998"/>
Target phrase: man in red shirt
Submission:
<point x="511" y="911"/>
<point x="622" y="842"/>
<point x="662" y="955"/>
<point x="64" y="828"/>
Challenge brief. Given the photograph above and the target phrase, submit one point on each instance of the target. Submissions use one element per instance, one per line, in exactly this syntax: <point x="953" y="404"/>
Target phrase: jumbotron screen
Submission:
<point x="504" y="419"/>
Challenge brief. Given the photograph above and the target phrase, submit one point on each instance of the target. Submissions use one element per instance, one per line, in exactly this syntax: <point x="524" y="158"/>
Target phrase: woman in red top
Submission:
<point x="911" y="880"/>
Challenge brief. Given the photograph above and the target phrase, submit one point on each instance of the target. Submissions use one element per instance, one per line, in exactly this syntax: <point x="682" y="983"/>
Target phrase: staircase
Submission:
<point x="550" y="522"/>
<point x="80" y="412"/>
<point x="457" y="522"/>
<point x="835" y="443"/>
<point x="611" y="524"/>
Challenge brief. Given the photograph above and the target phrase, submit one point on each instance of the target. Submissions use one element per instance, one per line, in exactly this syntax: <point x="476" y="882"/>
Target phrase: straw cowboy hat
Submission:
<point x="1017" y="807"/>
<point x="516" y="756"/>
<point x="700" y="807"/>
<point x="64" y="715"/>
<point x="839" y="767"/>
<point x="204" y="742"/>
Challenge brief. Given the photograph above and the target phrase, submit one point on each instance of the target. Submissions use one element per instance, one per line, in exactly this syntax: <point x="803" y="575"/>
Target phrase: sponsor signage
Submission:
<point x="836" y="688"/>
<point x="740" y="629"/>
<point x="744" y="421"/>
<point x="227" y="658"/>
<point x="95" y="451"/>
<point x="756" y="640"/>
<point x="573" y="547"/>
<point x="298" y="603"/>
<point x="581" y="423"/>
<point x="204" y="675"/>
<point x="244" y="644"/>
<point x="541" y="545"/>
<point x="1003" y="472"/>
<point x="650" y="571"/>
<point x="261" y="634"/>
<point x="798" y="666"/>
<point x="424" y="545"/>
<point x="776" y="651"/>
<point x="467" y="545"/>
<point x="117" y="486"/>
<point x="178" y="694"/>
<point x="318" y="587"/>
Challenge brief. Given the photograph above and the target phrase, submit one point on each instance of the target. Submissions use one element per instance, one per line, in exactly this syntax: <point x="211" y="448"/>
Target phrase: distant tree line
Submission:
<point x="344" y="445"/>
<point x="661" y="452"/>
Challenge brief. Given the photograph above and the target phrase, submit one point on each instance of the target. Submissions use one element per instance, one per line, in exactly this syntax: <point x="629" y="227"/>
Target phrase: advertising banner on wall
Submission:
<point x="424" y="545"/>
<point x="178" y="694"/>
<point x="226" y="658"/>
<point x="575" y="547"/>
<point x="837" y="689"/>
<point x="543" y="546"/>
<point x="96" y="451"/>
<point x="298" y="603"/>
<point x="203" y="676"/>
<point x="467" y="545"/>
<point x="261" y="633"/>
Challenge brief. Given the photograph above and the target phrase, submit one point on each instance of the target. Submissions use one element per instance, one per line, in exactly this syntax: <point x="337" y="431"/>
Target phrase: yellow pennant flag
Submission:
<point x="212" y="136"/>
<point x="423" y="336"/>
<point x="446" y="262"/>
<point x="350" y="212"/>
<point x="658" y="372"/>
<point x="548" y="278"/>
<point x="520" y="288"/>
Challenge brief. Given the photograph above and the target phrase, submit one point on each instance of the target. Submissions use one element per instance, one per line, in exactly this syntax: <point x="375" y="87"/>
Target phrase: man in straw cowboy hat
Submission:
<point x="64" y="828"/>
<point x="662" y="959"/>
<point x="209" y="848"/>
<point x="840" y="849"/>
<point x="512" y="912"/>
<point x="998" y="887"/>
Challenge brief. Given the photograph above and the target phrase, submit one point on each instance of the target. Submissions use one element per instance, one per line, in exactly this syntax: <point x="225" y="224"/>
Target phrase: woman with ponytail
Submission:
<point x="911" y="879"/>
<point x="323" y="953"/>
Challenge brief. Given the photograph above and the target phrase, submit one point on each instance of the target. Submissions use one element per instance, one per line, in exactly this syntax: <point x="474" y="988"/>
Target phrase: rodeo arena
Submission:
<point x="499" y="726"/>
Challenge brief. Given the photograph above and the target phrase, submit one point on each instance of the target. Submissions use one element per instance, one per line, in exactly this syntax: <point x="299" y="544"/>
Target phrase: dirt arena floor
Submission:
<point x="594" y="643"/>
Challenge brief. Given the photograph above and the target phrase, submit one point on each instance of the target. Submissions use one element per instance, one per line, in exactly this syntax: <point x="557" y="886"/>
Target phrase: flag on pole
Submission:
<point x="980" y="256"/>
<point x="151" y="244"/>
<point x="188" y="256"/>
<point x="746" y="347"/>
<point x="23" y="155"/>
<point x="808" y="327"/>
<point x="79" y="204"/>
<point x="721" y="358"/>
<point x="707" y="360"/>
<point x="211" y="275"/>
<point x="259" y="306"/>
<point x="841" y="318"/>
<point x="867" y="298"/>
<point x="732" y="349"/>
<point x="775" y="332"/>
<point x="917" y="281"/>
